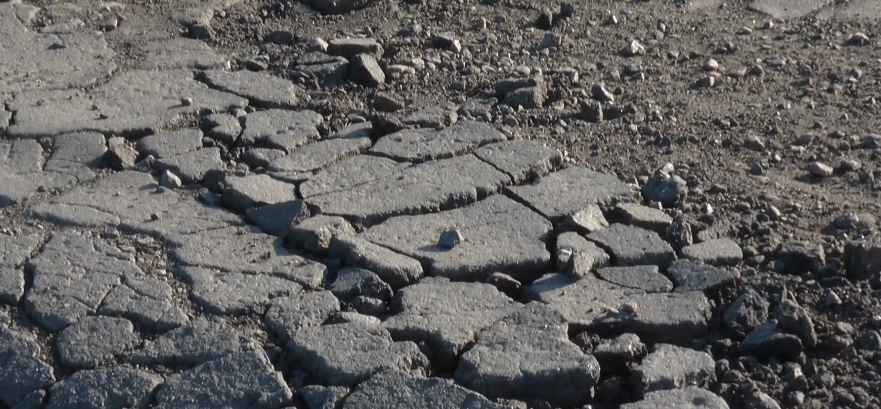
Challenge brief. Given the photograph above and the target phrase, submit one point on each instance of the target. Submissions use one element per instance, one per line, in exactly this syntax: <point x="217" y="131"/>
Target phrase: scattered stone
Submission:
<point x="369" y="306"/>
<point x="315" y="234"/>
<point x="95" y="340"/>
<point x="353" y="282"/>
<point x="224" y="128"/>
<point x="665" y="189"/>
<point x="769" y="341"/>
<point x="746" y="313"/>
<point x="119" y="155"/>
<point x="366" y="71"/>
<point x="718" y="252"/>
<point x="760" y="400"/>
<point x="119" y="387"/>
<point x="350" y="47"/>
<point x="585" y="221"/>
<point x="387" y="103"/>
<point x="795" y="320"/>
<point x="191" y="167"/>
<point x="578" y="257"/>
<point x="505" y="284"/>
<point x="672" y="367"/>
<point x="820" y="170"/>
<point x="633" y="49"/>
<point x="644" y="217"/>
<point x="801" y="257"/>
<point x="616" y="355"/>
<point x="450" y="238"/>
<point x="646" y="278"/>
<point x="633" y="246"/>
<point x="245" y="192"/>
<point x="170" y="180"/>
<point x="694" y="275"/>
<point x="862" y="258"/>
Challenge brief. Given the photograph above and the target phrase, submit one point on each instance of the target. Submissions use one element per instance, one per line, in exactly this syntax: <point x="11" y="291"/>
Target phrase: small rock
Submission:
<point x="551" y="39"/>
<point x="858" y="39"/>
<point x="170" y="180"/>
<point x="831" y="300"/>
<point x="450" y="238"/>
<point x="505" y="284"/>
<point x="711" y="65"/>
<point x="801" y="257"/>
<point x="600" y="93"/>
<point x="316" y="44"/>
<point x="794" y="319"/>
<point x="633" y="49"/>
<point x="366" y="71"/>
<point x="119" y="155"/>
<point x="820" y="170"/>
<point x="754" y="143"/>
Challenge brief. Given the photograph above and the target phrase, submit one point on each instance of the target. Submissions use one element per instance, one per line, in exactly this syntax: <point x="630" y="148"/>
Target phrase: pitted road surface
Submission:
<point x="347" y="224"/>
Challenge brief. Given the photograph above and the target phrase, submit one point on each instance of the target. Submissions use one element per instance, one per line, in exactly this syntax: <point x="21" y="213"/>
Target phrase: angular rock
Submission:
<point x="263" y="90"/>
<point x="643" y="216"/>
<point x="862" y="258"/>
<point x="369" y="306"/>
<point x="420" y="145"/>
<point x="521" y="159"/>
<point x="502" y="236"/>
<point x="646" y="278"/>
<point x="568" y="191"/>
<point x="746" y="313"/>
<point x="585" y="221"/>
<point x="672" y="367"/>
<point x="446" y="316"/>
<point x="321" y="397"/>
<point x="170" y="143"/>
<point x="528" y="356"/>
<point x="197" y="343"/>
<point x="319" y="155"/>
<point x="665" y="189"/>
<point x="245" y="192"/>
<point x="280" y="129"/>
<point x="192" y="167"/>
<point x="147" y="301"/>
<point x="119" y="387"/>
<point x="718" y="252"/>
<point x="261" y="157"/>
<point x="364" y="70"/>
<point x="348" y="354"/>
<point x="315" y="234"/>
<point x="796" y="320"/>
<point x="329" y="70"/>
<point x="577" y="256"/>
<point x="395" y="269"/>
<point x="693" y="275"/>
<point x="21" y="371"/>
<point x="528" y="97"/>
<point x="352" y="282"/>
<point x="235" y="293"/>
<point x="244" y="379"/>
<point x="675" y="318"/>
<point x="768" y="341"/>
<point x="616" y="355"/>
<point x="400" y="390"/>
<point x="223" y="128"/>
<point x="278" y="219"/>
<point x="350" y="47"/>
<point x="800" y="257"/>
<point x="431" y="186"/>
<point x="95" y="340"/>
<point x="349" y="173"/>
<point x="433" y="117"/>
<point x="633" y="246"/>
<point x="688" y="397"/>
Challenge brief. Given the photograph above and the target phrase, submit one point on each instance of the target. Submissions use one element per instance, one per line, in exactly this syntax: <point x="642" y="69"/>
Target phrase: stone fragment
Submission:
<point x="585" y="221"/>
<point x="768" y="341"/>
<point x="616" y="355"/>
<point x="352" y="282"/>
<point x="315" y="234"/>
<point x="746" y="313"/>
<point x="197" y="343"/>
<point x="801" y="257"/>
<point x="323" y="397"/>
<point x="280" y="129"/>
<point x="579" y="257"/>
<point x="278" y="219"/>
<point x="400" y="390"/>
<point x="646" y="278"/>
<point x="643" y="216"/>
<point x="329" y="70"/>
<point x="395" y="269"/>
<point x="420" y="145"/>
<point x="502" y="235"/>
<point x="263" y="90"/>
<point x="319" y="155"/>
<point x="568" y="191"/>
<point x="119" y="387"/>
<point x="192" y="167"/>
<point x="693" y="275"/>
<point x="665" y="189"/>
<point x="261" y="157"/>
<point x="528" y="356"/>
<point x="244" y="379"/>
<point x="245" y="192"/>
<point x="348" y="354"/>
<point x="169" y="180"/>
<point x="223" y="128"/>
<point x="450" y="238"/>
<point x="446" y="316"/>
<point x="176" y="53"/>
<point x="95" y="340"/>
<point x="21" y="371"/>
<point x="119" y="155"/>
<point x="349" y="173"/>
<point x="14" y="251"/>
<point x="527" y="97"/>
<point x="505" y="284"/>
<point x="350" y="47"/>
<point x="431" y="186"/>
<point x="796" y="320"/>
<point x="718" y="252"/>
<point x="674" y="318"/>
<point x="433" y="117"/>
<point x="364" y="70"/>
<point x="522" y="159"/>
<point x="672" y="367"/>
<point x="688" y="397"/>
<point x="170" y="143"/>
<point x="369" y="306"/>
<point x="862" y="258"/>
<point x="633" y="246"/>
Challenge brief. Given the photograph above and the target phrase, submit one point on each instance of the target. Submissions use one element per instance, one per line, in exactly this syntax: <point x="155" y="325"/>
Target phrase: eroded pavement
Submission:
<point x="205" y="241"/>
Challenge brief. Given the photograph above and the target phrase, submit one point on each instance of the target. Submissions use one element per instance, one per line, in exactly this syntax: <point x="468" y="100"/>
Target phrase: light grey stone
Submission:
<point x="718" y="252"/>
<point x="502" y="235"/>
<point x="585" y="221"/>
<point x="315" y="234"/>
<point x="199" y="342"/>
<point x="147" y="301"/>
<point x="591" y="257"/>
<point x="278" y="219"/>
<point x="119" y="387"/>
<point x="348" y="354"/>
<point x="244" y="192"/>
<point x="21" y="371"/>
<point x="396" y="389"/>
<point x="433" y="117"/>
<point x="633" y="246"/>
<point x="675" y="318"/>
<point x="365" y="70"/>
<point x="672" y="367"/>
<point x="396" y="269"/>
<point x="280" y="129"/>
<point x="568" y="191"/>
<point x="130" y="102"/>
<point x="350" y="47"/>
<point x="238" y="380"/>
<point x="235" y="293"/>
<point x="521" y="159"/>
<point x="318" y="155"/>
<point x="693" y="275"/>
<point x="350" y="173"/>
<point x="224" y="128"/>
<point x="261" y="157"/>
<point x="788" y="9"/>
<point x="95" y="340"/>
<point x="528" y="356"/>
<point x="263" y="90"/>
<point x="616" y="355"/>
<point x="170" y="143"/>
<point x="446" y="316"/>
<point x="643" y="216"/>
<point x="691" y="397"/>
<point x="646" y="278"/>
<point x="420" y="145"/>
<point x="192" y="167"/>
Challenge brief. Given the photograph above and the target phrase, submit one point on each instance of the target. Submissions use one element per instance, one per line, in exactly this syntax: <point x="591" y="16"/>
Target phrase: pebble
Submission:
<point x="170" y="180"/>
<point x="711" y="65"/>
<point x="831" y="299"/>
<point x="633" y="49"/>
<point x="450" y="238"/>
<point x="820" y="170"/>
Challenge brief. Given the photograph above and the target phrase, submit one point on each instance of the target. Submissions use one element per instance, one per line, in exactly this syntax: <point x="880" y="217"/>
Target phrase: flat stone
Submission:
<point x="352" y="282"/>
<point x="634" y="246"/>
<point x="446" y="316"/>
<point x="528" y="356"/>
<point x="199" y="342"/>
<point x="350" y="47"/>
<point x="14" y="251"/>
<point x="277" y="219"/>
<point x="348" y="354"/>
<point x="569" y="245"/>
<point x="30" y="62"/>
<point x="261" y="157"/>
<point x="316" y="234"/>
<point x="21" y="371"/>
<point x="319" y="155"/>
<point x="420" y="145"/>
<point x="120" y="387"/>
<point x="243" y="379"/>
<point x="719" y="252"/>
<point x="131" y="102"/>
<point x="646" y="278"/>
<point x="801" y="257"/>
<point x="224" y="128"/>
<point x="693" y="275"/>
<point x="244" y="192"/>
<point x="395" y="269"/>
<point x="365" y="70"/>
<point x="263" y="90"/>
<point x="175" y="53"/>
<point x="235" y="293"/>
<point x="400" y="390"/>
<point x="675" y="318"/>
<point x="585" y="221"/>
<point x="75" y="276"/>
<point x="280" y="129"/>
<point x="95" y="340"/>
<point x="192" y="167"/>
<point x="288" y="315"/>
<point x="323" y="397"/>
<point x="672" y="367"/>
<point x="685" y="398"/>
<point x="643" y="216"/>
<point x="170" y="143"/>
<point x="433" y="117"/>
<point x="570" y="190"/>
<point x="521" y="159"/>
<point x="349" y="173"/>
<point x="769" y="341"/>
<point x="429" y="187"/>
<point x="501" y="235"/>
